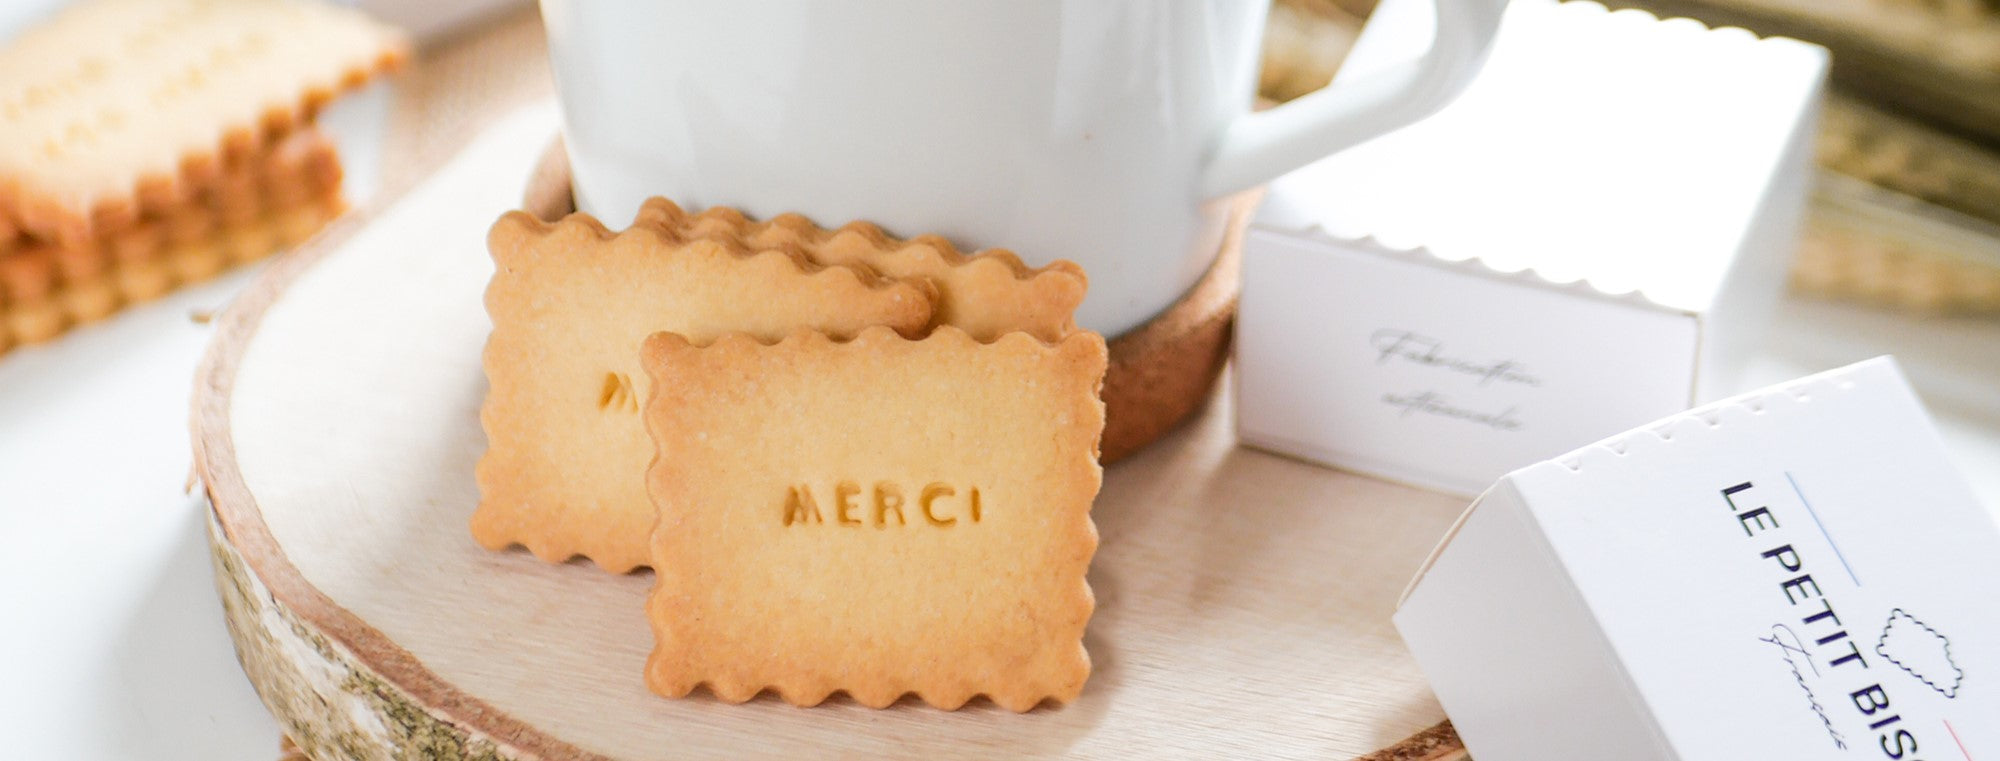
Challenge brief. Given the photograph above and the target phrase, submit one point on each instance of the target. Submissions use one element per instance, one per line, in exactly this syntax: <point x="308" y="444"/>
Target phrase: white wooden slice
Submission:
<point x="1243" y="599"/>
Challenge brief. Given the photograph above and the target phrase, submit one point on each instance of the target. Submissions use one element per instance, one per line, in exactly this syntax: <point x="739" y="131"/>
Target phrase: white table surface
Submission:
<point x="111" y="633"/>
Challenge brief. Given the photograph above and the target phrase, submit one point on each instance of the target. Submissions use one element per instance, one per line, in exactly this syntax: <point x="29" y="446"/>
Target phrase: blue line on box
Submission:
<point x="1822" y="528"/>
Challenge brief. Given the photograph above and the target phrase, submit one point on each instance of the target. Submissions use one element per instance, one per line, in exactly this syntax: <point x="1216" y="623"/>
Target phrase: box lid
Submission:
<point x="1530" y="170"/>
<point x="1795" y="573"/>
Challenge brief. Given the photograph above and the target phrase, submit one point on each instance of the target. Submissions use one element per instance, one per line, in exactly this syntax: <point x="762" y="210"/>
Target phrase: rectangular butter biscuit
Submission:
<point x="116" y="107"/>
<point x="275" y="198"/>
<point x="564" y="471"/>
<point x="987" y="295"/>
<point x="878" y="516"/>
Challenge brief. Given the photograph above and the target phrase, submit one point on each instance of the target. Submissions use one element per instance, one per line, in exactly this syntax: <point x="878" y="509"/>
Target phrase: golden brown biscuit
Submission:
<point x="284" y="194"/>
<point x="40" y="308"/>
<point x="987" y="295"/>
<point x="571" y="302"/>
<point x="879" y="516"/>
<point x="117" y="107"/>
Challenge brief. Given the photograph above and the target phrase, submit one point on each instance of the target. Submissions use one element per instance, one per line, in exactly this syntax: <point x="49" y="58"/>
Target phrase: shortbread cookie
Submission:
<point x="987" y="295"/>
<point x="38" y="305"/>
<point x="571" y="302"/>
<point x="879" y="516"/>
<point x="271" y="200"/>
<point x="115" y="107"/>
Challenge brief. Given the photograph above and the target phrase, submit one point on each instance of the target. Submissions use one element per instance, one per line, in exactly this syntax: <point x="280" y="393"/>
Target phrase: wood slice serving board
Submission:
<point x="1243" y="599"/>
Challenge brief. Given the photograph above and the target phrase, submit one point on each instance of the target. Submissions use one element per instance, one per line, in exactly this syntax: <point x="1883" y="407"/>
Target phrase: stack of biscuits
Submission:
<point x="147" y="144"/>
<point x="855" y="463"/>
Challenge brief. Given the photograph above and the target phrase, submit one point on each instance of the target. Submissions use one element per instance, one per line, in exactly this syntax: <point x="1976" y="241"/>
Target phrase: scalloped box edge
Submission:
<point x="1319" y="376"/>
<point x="1721" y="583"/>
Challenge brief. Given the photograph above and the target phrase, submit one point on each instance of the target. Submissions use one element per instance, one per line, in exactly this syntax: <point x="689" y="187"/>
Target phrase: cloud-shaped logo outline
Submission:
<point x="1882" y="649"/>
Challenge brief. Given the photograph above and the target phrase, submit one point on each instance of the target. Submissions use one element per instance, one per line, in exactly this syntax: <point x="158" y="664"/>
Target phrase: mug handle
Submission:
<point x="1259" y="146"/>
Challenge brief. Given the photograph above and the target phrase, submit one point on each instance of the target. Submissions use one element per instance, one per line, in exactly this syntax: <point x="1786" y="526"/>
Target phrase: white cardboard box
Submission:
<point x="1586" y="240"/>
<point x="1797" y="573"/>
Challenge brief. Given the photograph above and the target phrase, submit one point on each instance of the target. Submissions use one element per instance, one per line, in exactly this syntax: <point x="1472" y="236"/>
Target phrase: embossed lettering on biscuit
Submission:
<point x="879" y="517"/>
<point x="563" y="474"/>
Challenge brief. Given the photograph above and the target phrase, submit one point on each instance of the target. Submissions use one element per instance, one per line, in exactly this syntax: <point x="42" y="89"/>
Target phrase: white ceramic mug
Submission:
<point x="1099" y="131"/>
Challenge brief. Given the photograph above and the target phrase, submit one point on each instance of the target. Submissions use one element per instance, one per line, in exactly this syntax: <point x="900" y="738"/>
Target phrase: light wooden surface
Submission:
<point x="1243" y="598"/>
